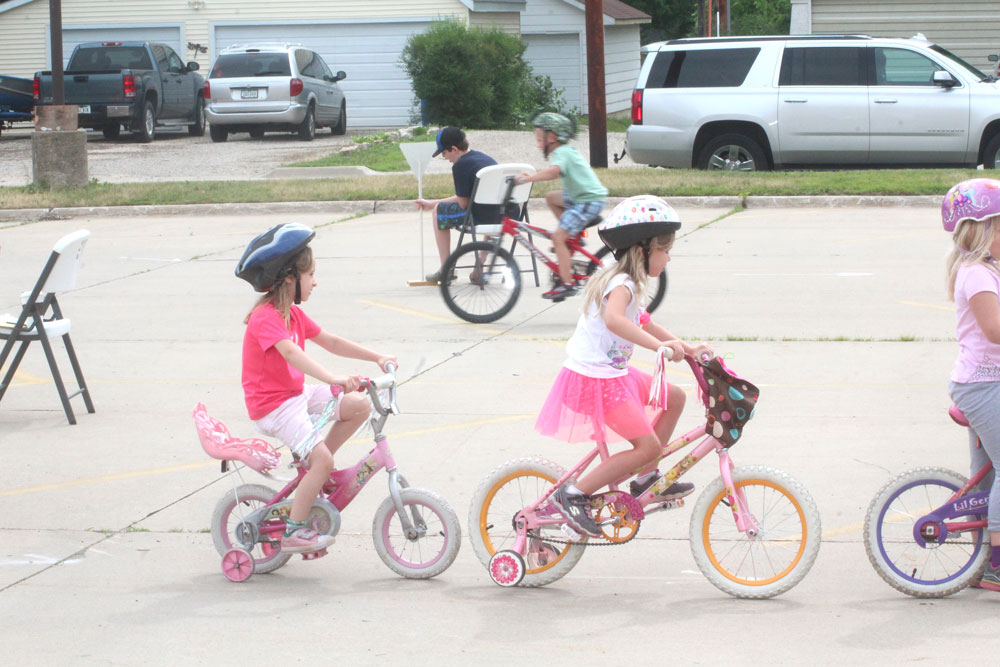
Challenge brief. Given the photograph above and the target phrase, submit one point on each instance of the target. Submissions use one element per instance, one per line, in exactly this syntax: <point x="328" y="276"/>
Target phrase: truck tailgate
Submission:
<point x="87" y="88"/>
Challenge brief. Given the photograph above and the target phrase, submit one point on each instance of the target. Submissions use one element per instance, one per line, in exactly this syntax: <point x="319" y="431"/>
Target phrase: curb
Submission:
<point x="405" y="206"/>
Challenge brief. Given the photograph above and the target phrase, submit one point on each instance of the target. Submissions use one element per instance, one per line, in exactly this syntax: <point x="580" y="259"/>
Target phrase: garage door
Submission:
<point x="559" y="58"/>
<point x="170" y="35"/>
<point x="378" y="90"/>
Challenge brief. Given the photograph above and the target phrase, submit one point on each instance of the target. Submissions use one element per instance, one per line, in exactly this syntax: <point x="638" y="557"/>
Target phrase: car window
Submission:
<point x="902" y="67"/>
<point x="701" y="68"/>
<point x="161" y="57"/>
<point x="823" y="66"/>
<point x="109" y="59"/>
<point x="175" y="63"/>
<point x="951" y="56"/>
<point x="309" y="64"/>
<point x="326" y="70"/>
<point x="250" y="64"/>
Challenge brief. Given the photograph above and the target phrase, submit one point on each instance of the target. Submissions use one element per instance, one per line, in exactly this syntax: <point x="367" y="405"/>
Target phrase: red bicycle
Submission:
<point x="486" y="280"/>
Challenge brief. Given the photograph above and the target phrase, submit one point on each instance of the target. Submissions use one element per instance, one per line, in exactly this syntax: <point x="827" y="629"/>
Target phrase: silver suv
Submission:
<point x="756" y="103"/>
<point x="273" y="88"/>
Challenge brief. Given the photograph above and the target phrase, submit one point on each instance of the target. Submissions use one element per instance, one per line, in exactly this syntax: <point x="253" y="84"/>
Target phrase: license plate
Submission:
<point x="83" y="108"/>
<point x="248" y="94"/>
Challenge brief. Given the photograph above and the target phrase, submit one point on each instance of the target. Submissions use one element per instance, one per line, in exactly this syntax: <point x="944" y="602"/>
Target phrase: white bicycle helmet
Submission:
<point x="271" y="256"/>
<point x="636" y="221"/>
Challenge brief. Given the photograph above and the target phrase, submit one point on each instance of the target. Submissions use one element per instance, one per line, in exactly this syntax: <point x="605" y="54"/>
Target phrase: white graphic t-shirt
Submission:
<point x="593" y="350"/>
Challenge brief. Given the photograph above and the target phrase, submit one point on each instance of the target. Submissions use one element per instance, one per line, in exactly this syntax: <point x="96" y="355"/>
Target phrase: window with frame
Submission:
<point x="823" y="66"/>
<point x="701" y="68"/>
<point x="902" y="67"/>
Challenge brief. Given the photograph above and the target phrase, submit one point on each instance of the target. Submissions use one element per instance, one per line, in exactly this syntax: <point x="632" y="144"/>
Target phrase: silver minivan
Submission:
<point x="262" y="88"/>
<point x="751" y="103"/>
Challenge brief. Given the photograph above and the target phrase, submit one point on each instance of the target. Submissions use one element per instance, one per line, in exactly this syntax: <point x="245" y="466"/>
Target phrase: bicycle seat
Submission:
<point x="596" y="220"/>
<point x="219" y="444"/>
<point x="957" y="416"/>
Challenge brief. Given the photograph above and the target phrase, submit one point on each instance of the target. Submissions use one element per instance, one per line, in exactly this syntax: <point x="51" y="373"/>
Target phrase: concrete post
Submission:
<point x="801" y="23"/>
<point x="58" y="148"/>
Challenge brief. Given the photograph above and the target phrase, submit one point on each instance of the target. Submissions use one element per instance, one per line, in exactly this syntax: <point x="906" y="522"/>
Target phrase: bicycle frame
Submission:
<point x="935" y="526"/>
<point x="518" y="229"/>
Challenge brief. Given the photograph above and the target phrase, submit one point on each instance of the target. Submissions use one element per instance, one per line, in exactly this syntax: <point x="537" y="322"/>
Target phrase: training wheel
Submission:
<point x="313" y="555"/>
<point x="507" y="568"/>
<point x="237" y="565"/>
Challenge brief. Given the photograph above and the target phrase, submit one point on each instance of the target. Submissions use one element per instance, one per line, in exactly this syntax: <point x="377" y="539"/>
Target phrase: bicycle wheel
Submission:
<point x="781" y="553"/>
<point x="936" y="570"/>
<point x="500" y="496"/>
<point x="229" y="532"/>
<point x="430" y="554"/>
<point x="656" y="289"/>
<point x="489" y="297"/>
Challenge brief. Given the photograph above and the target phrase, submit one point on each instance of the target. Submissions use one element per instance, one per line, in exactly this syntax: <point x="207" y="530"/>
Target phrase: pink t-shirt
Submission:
<point x="269" y="380"/>
<point x="978" y="358"/>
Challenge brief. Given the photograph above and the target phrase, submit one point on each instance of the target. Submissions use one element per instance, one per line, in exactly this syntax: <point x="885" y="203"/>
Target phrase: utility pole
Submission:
<point x="597" y="105"/>
<point x="55" y="36"/>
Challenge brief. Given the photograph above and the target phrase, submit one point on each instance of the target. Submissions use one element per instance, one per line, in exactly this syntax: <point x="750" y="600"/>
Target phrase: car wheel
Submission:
<point x="733" y="152"/>
<point x="197" y="128"/>
<point x="341" y="126"/>
<point x="256" y="132"/>
<point x="991" y="156"/>
<point x="307" y="130"/>
<point x="218" y="134"/>
<point x="111" y="131"/>
<point x="147" y="123"/>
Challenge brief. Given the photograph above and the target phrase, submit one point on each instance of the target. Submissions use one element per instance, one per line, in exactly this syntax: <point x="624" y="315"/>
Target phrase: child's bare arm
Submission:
<point x="295" y="357"/>
<point x="664" y="335"/>
<point x="345" y="348"/>
<point x="620" y="325"/>
<point x="547" y="174"/>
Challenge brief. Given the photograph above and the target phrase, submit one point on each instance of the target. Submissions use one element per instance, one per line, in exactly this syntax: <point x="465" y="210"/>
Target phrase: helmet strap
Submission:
<point x="645" y="255"/>
<point x="298" y="287"/>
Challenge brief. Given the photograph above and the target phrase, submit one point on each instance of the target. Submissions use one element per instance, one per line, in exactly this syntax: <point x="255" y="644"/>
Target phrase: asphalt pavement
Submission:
<point x="838" y="314"/>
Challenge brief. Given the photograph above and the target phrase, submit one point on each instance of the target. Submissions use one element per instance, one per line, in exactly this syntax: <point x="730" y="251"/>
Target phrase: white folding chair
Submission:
<point x="489" y="189"/>
<point x="41" y="319"/>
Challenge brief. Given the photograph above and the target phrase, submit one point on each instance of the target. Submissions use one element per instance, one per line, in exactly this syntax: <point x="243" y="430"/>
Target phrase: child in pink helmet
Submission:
<point x="971" y="212"/>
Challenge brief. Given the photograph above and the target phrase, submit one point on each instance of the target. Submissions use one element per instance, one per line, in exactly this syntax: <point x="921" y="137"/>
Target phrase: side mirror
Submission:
<point x="993" y="57"/>
<point x="341" y="75"/>
<point x="944" y="79"/>
<point x="192" y="65"/>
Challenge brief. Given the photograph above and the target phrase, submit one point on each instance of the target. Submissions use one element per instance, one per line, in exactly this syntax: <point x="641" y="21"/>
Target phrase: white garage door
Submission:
<point x="558" y="57"/>
<point x="378" y="90"/>
<point x="170" y="35"/>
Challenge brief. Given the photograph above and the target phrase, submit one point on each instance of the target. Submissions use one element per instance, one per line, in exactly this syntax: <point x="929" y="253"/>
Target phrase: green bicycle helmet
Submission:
<point x="552" y="121"/>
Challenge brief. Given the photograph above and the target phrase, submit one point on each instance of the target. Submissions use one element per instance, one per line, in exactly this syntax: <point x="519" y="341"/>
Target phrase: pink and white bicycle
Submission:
<point x="416" y="532"/>
<point x="754" y="533"/>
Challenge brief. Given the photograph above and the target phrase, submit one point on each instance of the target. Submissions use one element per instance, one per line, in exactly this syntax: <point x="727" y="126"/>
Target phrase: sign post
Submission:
<point x="418" y="155"/>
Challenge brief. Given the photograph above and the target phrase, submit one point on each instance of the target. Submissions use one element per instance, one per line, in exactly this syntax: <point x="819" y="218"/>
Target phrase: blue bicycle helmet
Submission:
<point x="271" y="256"/>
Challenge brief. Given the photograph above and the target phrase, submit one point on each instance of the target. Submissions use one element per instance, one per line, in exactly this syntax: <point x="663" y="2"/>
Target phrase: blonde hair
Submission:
<point x="971" y="245"/>
<point x="632" y="264"/>
<point x="282" y="294"/>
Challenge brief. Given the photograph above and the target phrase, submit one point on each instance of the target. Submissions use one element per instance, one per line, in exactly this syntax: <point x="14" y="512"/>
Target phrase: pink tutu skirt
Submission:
<point x="581" y="408"/>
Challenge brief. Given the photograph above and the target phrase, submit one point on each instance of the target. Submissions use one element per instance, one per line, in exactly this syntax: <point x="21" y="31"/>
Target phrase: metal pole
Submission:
<point x="55" y="36"/>
<point x="597" y="106"/>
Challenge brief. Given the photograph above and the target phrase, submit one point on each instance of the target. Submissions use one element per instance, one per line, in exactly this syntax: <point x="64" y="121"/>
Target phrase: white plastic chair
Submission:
<point x="489" y="189"/>
<point x="41" y="319"/>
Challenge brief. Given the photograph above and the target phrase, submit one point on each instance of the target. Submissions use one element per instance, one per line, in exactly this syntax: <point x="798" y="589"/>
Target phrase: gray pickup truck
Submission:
<point x="138" y="85"/>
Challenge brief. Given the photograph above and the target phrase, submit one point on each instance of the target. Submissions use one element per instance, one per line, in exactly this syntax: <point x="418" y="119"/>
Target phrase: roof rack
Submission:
<point x="234" y="48"/>
<point x="767" y="38"/>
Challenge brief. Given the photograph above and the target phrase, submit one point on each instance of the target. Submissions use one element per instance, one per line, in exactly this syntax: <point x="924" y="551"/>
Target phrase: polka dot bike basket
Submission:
<point x="729" y="400"/>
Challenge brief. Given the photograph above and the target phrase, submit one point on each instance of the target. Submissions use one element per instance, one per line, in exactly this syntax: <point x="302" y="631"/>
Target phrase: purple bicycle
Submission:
<point x="925" y="532"/>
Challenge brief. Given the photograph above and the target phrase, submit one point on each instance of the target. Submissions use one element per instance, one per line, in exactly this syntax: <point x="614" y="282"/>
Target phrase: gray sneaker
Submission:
<point x="436" y="276"/>
<point x="575" y="507"/>
<point x="991" y="578"/>
<point x="673" y="492"/>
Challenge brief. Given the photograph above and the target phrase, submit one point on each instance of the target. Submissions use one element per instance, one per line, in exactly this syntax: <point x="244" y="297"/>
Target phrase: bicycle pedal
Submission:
<point x="674" y="504"/>
<point x="313" y="555"/>
<point x="558" y="299"/>
<point x="570" y="534"/>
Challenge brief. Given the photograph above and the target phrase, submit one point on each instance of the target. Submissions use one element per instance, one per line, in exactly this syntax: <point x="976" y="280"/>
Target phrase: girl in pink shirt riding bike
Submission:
<point x="280" y="263"/>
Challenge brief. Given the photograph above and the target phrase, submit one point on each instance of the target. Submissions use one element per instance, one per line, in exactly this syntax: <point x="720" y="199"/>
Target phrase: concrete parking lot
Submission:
<point x="839" y="316"/>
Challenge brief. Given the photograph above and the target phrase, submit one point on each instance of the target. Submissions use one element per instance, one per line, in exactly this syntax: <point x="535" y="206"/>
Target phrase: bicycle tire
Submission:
<point x="497" y="290"/>
<point x="436" y="549"/>
<point x="895" y="554"/>
<point x="656" y="290"/>
<point x="267" y="558"/>
<point x="783" y="551"/>
<point x="504" y="492"/>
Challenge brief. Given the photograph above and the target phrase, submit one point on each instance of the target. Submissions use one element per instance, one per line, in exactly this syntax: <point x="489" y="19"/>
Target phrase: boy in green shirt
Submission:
<point x="581" y="199"/>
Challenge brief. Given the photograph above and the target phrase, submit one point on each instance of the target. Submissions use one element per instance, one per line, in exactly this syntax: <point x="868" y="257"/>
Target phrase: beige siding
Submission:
<point x="621" y="68"/>
<point x="969" y="28"/>
<point x="23" y="30"/>
<point x="506" y="21"/>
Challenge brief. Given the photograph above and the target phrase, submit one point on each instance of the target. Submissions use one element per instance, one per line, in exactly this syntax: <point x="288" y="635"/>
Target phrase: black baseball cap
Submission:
<point x="448" y="137"/>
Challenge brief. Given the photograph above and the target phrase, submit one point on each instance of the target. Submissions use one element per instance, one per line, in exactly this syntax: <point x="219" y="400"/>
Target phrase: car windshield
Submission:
<point x="250" y="64"/>
<point x="109" y="59"/>
<point x="958" y="61"/>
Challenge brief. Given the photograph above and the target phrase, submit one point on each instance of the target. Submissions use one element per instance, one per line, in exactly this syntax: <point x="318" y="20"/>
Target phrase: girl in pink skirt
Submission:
<point x="597" y="395"/>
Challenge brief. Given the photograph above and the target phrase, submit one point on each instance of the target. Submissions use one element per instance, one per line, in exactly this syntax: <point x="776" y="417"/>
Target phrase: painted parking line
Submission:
<point x="213" y="462"/>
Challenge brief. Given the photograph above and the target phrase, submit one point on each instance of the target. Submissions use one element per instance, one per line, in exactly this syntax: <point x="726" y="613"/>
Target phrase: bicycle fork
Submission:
<point x="735" y="498"/>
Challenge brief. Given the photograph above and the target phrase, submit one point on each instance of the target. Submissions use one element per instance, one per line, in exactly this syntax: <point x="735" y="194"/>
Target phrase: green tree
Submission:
<point x="671" y="19"/>
<point x="760" y="17"/>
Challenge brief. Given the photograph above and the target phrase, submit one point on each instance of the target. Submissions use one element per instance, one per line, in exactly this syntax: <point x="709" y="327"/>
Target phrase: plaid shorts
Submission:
<point x="449" y="215"/>
<point x="576" y="216"/>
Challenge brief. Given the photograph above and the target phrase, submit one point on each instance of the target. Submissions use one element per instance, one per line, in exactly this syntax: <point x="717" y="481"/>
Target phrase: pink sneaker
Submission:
<point x="305" y="540"/>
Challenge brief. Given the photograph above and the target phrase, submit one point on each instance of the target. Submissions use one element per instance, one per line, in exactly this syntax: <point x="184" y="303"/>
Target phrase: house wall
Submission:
<point x="24" y="29"/>
<point x="968" y="28"/>
<point x="621" y="68"/>
<point x="506" y="21"/>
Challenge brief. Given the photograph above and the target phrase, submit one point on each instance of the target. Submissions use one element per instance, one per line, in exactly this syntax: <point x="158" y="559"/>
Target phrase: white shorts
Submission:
<point x="291" y="421"/>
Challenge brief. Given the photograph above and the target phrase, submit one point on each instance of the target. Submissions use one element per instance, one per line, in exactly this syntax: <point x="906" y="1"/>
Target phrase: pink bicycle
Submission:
<point x="755" y="531"/>
<point x="416" y="532"/>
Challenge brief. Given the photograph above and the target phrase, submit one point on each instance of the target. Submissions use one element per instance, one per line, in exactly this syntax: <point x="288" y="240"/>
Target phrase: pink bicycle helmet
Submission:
<point x="975" y="199"/>
<point x="637" y="220"/>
